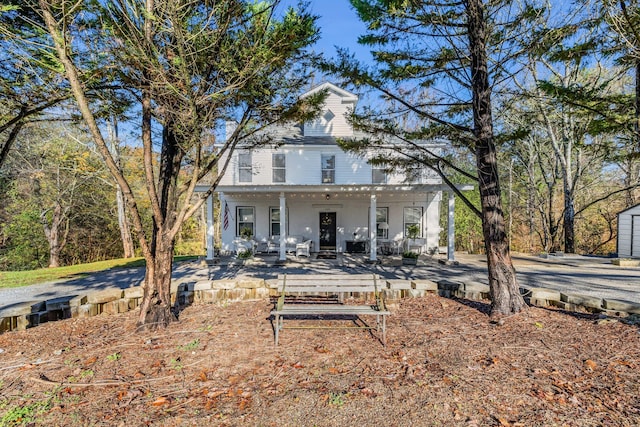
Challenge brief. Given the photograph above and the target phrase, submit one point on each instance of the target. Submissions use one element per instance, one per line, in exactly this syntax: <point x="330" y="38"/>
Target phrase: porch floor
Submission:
<point x="341" y="260"/>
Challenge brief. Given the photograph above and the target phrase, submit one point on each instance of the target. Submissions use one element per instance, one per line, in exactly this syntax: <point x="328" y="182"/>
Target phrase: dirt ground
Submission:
<point x="445" y="364"/>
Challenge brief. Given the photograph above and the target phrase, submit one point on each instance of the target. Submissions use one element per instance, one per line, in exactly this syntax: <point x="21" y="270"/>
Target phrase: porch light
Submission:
<point x="327" y="196"/>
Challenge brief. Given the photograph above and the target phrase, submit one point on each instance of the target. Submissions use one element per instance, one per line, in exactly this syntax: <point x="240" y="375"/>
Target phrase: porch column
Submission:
<point x="451" y="227"/>
<point x="283" y="228"/>
<point x="210" y="229"/>
<point x="373" y="238"/>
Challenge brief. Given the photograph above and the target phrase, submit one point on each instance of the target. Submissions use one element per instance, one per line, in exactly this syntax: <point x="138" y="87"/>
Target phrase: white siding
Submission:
<point x="337" y="124"/>
<point x="635" y="235"/>
<point x="352" y="216"/>
<point x="303" y="167"/>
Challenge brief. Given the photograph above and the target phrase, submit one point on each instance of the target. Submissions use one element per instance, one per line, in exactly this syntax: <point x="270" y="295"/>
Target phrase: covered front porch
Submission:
<point x="330" y="219"/>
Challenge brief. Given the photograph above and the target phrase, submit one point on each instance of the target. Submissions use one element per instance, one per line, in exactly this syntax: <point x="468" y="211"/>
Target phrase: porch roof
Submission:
<point x="335" y="188"/>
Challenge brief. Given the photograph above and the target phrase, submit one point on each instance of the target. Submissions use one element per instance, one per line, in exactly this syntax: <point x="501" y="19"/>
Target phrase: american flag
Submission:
<point x="225" y="221"/>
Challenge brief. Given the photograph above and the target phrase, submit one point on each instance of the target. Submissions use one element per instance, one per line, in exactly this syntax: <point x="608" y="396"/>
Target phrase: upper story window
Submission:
<point x="278" y="164"/>
<point x="378" y="175"/>
<point x="244" y="166"/>
<point x="328" y="168"/>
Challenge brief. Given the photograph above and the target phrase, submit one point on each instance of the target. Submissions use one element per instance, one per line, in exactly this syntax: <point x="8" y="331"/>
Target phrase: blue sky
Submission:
<point x="339" y="26"/>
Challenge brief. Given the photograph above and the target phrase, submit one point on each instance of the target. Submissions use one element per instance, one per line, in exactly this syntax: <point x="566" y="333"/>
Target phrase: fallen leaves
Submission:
<point x="451" y="367"/>
<point x="161" y="401"/>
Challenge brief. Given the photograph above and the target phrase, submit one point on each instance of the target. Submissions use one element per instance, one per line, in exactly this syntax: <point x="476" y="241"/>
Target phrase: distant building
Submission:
<point x="629" y="232"/>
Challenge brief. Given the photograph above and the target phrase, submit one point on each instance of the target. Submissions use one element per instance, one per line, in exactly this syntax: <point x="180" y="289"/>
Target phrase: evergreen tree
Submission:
<point x="441" y="63"/>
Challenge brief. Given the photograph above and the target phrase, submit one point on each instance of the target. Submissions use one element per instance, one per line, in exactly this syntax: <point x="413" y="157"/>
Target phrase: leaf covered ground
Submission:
<point x="445" y="364"/>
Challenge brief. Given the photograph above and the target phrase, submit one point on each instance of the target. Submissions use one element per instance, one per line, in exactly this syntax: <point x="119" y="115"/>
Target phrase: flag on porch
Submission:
<point x="225" y="221"/>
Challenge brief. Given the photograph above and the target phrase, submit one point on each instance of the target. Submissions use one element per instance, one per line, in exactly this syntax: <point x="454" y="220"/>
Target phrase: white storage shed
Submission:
<point x="629" y="233"/>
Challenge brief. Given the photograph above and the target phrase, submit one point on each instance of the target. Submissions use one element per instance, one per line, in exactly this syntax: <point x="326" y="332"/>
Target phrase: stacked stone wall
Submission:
<point x="113" y="301"/>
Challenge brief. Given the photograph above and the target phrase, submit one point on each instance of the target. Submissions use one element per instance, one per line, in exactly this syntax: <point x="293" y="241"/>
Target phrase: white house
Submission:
<point x="629" y="232"/>
<point x="306" y="189"/>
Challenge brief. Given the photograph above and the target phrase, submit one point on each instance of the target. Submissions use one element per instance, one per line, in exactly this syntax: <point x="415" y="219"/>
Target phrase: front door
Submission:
<point x="327" y="231"/>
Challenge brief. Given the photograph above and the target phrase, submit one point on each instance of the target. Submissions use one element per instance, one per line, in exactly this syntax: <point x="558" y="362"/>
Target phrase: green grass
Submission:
<point x="14" y="279"/>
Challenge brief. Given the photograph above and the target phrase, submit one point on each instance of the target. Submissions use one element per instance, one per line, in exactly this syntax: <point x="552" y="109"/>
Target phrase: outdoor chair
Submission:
<point x="273" y="244"/>
<point x="291" y="243"/>
<point x="304" y="248"/>
<point x="396" y="246"/>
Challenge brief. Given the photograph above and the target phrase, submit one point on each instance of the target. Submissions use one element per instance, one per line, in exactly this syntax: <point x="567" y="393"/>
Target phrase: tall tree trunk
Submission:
<point x="155" y="308"/>
<point x="531" y="203"/>
<point x="123" y="220"/>
<point x="156" y="303"/>
<point x="631" y="176"/>
<point x="504" y="288"/>
<point x="568" y="225"/>
<point x="125" y="227"/>
<point x="52" y="231"/>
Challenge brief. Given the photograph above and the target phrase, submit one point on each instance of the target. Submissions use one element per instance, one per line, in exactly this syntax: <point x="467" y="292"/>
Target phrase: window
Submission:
<point x="246" y="221"/>
<point x="382" y="223"/>
<point x="278" y="164"/>
<point x="244" y="167"/>
<point x="378" y="175"/>
<point x="328" y="168"/>
<point x="328" y="116"/>
<point x="274" y="221"/>
<point x="412" y="217"/>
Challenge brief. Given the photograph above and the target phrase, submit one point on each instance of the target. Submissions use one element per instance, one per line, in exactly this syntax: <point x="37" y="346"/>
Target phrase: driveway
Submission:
<point x="570" y="274"/>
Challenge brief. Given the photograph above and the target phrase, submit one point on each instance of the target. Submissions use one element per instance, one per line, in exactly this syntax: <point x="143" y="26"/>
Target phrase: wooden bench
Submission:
<point x="320" y="296"/>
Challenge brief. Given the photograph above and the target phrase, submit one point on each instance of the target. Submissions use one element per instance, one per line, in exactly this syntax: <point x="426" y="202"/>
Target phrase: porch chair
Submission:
<point x="304" y="248"/>
<point x="396" y="246"/>
<point x="291" y="243"/>
<point x="273" y="244"/>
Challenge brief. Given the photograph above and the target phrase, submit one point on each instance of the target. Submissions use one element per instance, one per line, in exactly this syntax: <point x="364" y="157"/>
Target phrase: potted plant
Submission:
<point x="244" y="255"/>
<point x="246" y="233"/>
<point x="413" y="231"/>
<point x="409" y="258"/>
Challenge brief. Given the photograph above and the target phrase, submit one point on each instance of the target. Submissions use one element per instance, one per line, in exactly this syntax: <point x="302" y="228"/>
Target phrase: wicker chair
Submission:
<point x="304" y="248"/>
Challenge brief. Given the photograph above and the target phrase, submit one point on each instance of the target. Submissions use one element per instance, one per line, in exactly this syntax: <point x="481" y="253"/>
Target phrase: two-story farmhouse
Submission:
<point x="304" y="188"/>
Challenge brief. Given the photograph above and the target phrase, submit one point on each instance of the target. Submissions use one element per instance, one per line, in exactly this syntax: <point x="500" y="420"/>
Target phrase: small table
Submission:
<point x="356" y="246"/>
<point x="384" y="246"/>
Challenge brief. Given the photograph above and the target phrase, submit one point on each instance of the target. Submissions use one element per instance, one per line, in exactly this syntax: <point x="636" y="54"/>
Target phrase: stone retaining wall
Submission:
<point x="225" y="291"/>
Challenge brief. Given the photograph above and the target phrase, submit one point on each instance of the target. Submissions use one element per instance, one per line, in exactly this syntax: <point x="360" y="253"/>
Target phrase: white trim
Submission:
<point x="368" y="188"/>
<point x="342" y="93"/>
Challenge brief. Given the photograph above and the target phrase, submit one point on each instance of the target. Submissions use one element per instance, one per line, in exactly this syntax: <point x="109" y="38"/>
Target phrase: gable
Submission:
<point x="333" y="119"/>
<point x="633" y="210"/>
